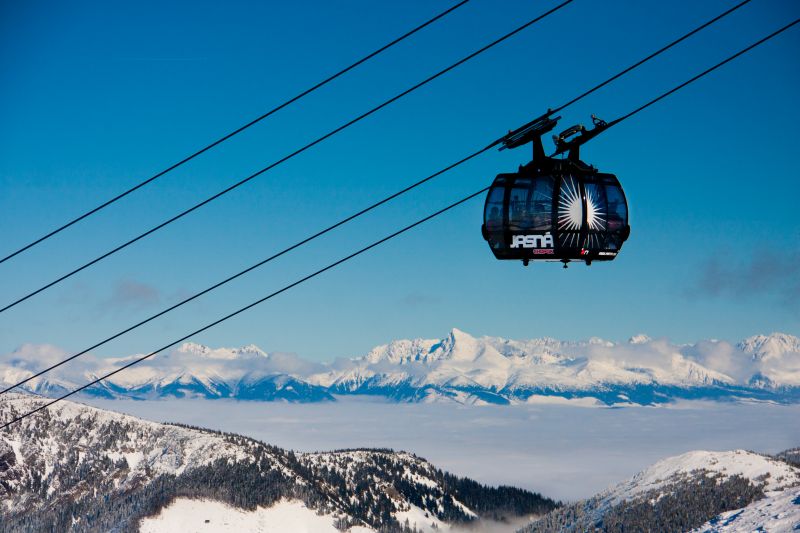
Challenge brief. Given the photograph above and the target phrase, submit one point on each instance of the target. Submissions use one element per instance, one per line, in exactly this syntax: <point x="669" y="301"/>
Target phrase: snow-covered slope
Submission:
<point x="459" y="368"/>
<point x="777" y="513"/>
<point x="185" y="514"/>
<point x="78" y="468"/>
<point x="700" y="489"/>
<point x="771" y="474"/>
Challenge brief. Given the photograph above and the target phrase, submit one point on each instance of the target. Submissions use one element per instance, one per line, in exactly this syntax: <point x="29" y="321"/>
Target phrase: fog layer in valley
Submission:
<point x="563" y="451"/>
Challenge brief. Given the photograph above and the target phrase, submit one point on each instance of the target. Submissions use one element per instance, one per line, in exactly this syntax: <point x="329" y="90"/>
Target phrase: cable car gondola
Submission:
<point x="555" y="209"/>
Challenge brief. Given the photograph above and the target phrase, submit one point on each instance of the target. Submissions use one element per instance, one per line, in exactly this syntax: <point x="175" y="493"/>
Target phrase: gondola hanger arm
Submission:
<point x="527" y="132"/>
<point x="571" y="139"/>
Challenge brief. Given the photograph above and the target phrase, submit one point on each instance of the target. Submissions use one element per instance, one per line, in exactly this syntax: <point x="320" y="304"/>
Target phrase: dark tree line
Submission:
<point x="791" y="456"/>
<point x="687" y="507"/>
<point x="683" y="506"/>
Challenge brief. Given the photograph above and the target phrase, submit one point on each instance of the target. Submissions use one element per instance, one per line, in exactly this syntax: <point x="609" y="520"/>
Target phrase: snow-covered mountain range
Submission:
<point x="699" y="491"/>
<point x="459" y="368"/>
<point x="73" y="467"/>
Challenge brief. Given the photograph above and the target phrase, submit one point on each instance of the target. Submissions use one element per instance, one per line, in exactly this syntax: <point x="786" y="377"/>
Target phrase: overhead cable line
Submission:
<point x="601" y="126"/>
<point x="249" y="306"/>
<point x="235" y="132"/>
<point x="630" y="68"/>
<point x="349" y="218"/>
<point x="245" y="271"/>
<point x="381" y="241"/>
<point x="705" y="72"/>
<point x="654" y="54"/>
<point x="290" y="156"/>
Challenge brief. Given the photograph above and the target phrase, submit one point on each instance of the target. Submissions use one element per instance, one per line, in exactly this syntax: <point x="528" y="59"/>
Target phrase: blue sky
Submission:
<point x="96" y="96"/>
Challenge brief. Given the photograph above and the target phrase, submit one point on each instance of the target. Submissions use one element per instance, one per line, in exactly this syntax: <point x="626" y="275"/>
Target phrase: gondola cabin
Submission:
<point x="556" y="210"/>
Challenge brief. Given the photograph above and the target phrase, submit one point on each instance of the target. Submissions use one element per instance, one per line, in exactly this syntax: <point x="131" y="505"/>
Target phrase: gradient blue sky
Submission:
<point x="95" y="96"/>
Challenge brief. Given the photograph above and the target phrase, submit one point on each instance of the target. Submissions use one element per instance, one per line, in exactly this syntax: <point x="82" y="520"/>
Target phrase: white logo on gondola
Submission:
<point x="532" y="241"/>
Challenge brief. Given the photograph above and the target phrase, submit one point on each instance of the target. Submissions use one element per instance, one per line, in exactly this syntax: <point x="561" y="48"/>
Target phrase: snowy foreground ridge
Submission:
<point x="699" y="491"/>
<point x="458" y="368"/>
<point x="774" y="509"/>
<point x="77" y="468"/>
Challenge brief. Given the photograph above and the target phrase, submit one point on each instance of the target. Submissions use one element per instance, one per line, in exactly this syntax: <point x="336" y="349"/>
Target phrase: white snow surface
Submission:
<point x="423" y="521"/>
<point x="777" y="513"/>
<point x="201" y="516"/>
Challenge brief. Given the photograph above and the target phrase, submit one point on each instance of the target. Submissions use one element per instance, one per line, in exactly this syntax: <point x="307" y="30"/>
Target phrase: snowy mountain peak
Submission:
<point x="641" y="338"/>
<point x="193" y="348"/>
<point x="459" y="345"/>
<point x="249" y="351"/>
<point x="401" y="351"/>
<point x="252" y="349"/>
<point x="765" y="347"/>
<point x="599" y="341"/>
<point x="456" y="333"/>
<point x="774" y="474"/>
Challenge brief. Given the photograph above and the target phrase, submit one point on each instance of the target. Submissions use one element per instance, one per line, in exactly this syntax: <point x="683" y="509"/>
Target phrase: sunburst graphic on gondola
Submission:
<point x="595" y="216"/>
<point x="570" y="212"/>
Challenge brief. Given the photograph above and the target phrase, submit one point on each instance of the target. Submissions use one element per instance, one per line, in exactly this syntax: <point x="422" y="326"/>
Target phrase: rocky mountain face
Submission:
<point x="698" y="491"/>
<point x="459" y="368"/>
<point x="76" y="468"/>
<point x="772" y="346"/>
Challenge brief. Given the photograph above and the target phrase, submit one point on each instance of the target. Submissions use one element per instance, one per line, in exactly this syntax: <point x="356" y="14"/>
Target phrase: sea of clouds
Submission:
<point x="564" y="451"/>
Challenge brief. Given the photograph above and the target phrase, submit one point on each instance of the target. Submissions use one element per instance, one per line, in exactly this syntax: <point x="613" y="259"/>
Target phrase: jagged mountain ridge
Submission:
<point x="701" y="491"/>
<point x="770" y="346"/>
<point x="73" y="467"/>
<point x="458" y="368"/>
